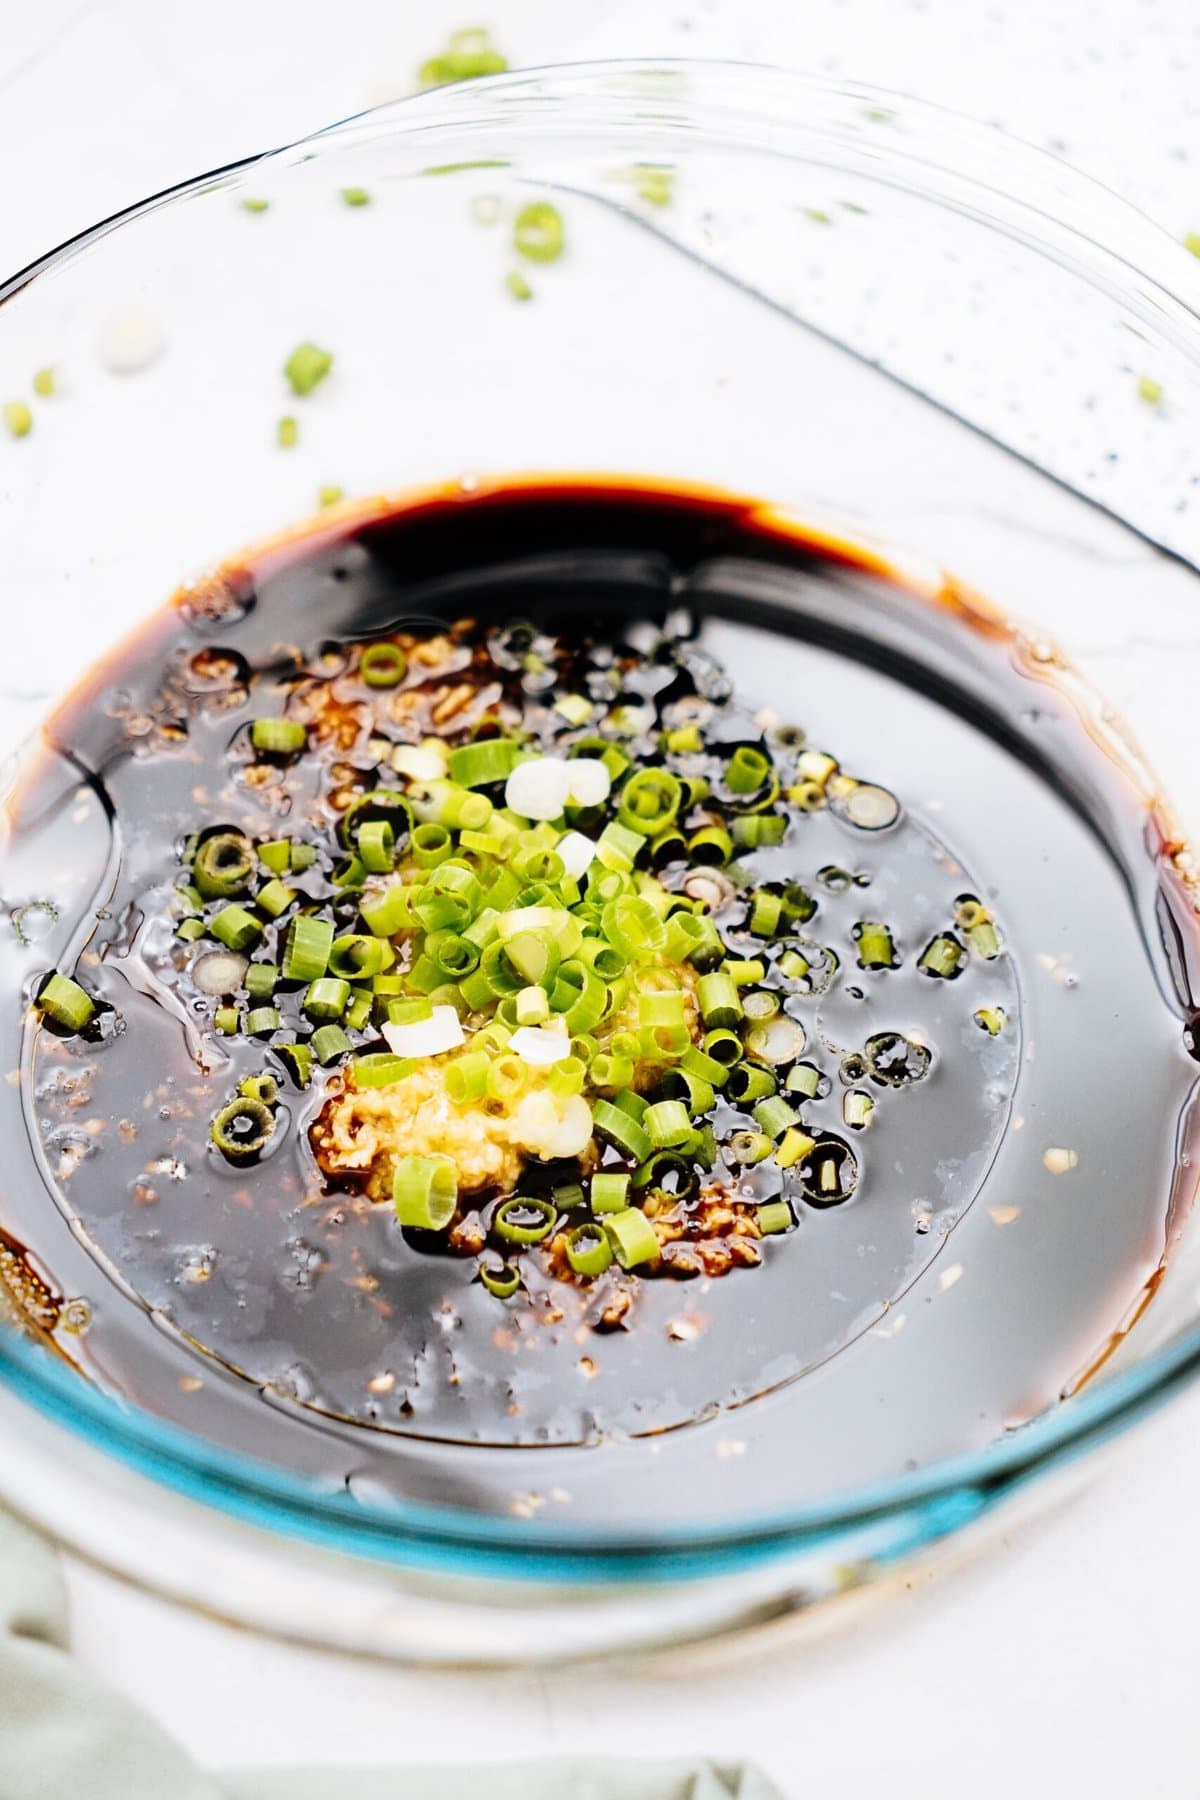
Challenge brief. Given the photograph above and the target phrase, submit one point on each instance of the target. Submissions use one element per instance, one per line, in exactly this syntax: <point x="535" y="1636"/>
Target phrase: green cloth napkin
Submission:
<point x="62" y="1732"/>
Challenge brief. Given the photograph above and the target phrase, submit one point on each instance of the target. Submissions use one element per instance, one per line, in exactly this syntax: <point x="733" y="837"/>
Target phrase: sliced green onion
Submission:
<point x="274" y="898"/>
<point x="749" y="1147"/>
<point x="991" y="1019"/>
<point x="711" y="844"/>
<point x="191" y="929"/>
<point x="350" y="874"/>
<point x="704" y="1067"/>
<point x="430" y="844"/>
<point x="773" y="1115"/>
<point x="664" y="1043"/>
<point x="576" y="709"/>
<point x="970" y="912"/>
<point x="649" y="801"/>
<point x="857" y="1108"/>
<point x="467" y="1078"/>
<point x="306" y="367"/>
<point x="793" y="1147"/>
<point x="609" y="1071"/>
<point x="219" y="972"/>
<point x="485" y="761"/>
<point x="616" y="1127"/>
<point x="589" y="1251"/>
<point x="243" y="1129"/>
<point x="567" y="1076"/>
<point x="755" y="831"/>
<point x="329" y="1042"/>
<point x="358" y="1013"/>
<point x="327" y="998"/>
<point x="724" y="1047"/>
<point x="236" y="928"/>
<point x="719" y="1001"/>
<point x="804" y="1079"/>
<point x="747" y="770"/>
<point x="694" y="1092"/>
<point x="588" y="1009"/>
<point x="876" y="949"/>
<point x="632" y="1237"/>
<point x="386" y="911"/>
<point x="942" y="957"/>
<point x="609" y="1191"/>
<point x="425" y="1192"/>
<point x="985" y="940"/>
<point x="661" y="1008"/>
<point x="605" y="959"/>
<point x="774" y="1216"/>
<point x="278" y="737"/>
<point x="67" y="1004"/>
<point x="261" y="980"/>
<point x="376" y="845"/>
<point x="618" y="847"/>
<point x="261" y="1021"/>
<point x="455" y="956"/>
<point x="382" y="665"/>
<point x="299" y="1060"/>
<point x="507" y="1078"/>
<point x="521" y="1220"/>
<point x="778" y="1040"/>
<point x="749" y="1083"/>
<point x="538" y="232"/>
<point x="227" y="1020"/>
<point x="264" y="1087"/>
<point x="223" y="865"/>
<point x="379" y="1068"/>
<point x="306" y="948"/>
<point x="766" y="912"/>
<point x="356" y="957"/>
<point x="532" y="1006"/>
<point x="761" y="1004"/>
<point x="502" y="1279"/>
<point x="667" y="1123"/>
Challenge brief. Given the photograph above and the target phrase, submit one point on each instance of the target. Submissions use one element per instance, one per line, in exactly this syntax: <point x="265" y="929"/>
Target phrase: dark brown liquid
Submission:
<point x="958" y="1290"/>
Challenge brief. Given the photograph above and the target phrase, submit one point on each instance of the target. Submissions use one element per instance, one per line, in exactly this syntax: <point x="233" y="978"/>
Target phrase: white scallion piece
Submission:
<point x="440" y="1032"/>
<point x="219" y="972"/>
<point x="418" y="763"/>
<point x="590" y="781"/>
<point x="577" y="853"/>
<point x="540" y="1045"/>
<point x="539" y="788"/>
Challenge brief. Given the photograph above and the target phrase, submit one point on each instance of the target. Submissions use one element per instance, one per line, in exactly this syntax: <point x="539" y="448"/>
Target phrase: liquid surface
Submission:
<point x="1006" y="1217"/>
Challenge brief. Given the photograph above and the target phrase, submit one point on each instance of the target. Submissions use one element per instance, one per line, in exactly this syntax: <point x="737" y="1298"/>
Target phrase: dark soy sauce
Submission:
<point x="1014" y="1207"/>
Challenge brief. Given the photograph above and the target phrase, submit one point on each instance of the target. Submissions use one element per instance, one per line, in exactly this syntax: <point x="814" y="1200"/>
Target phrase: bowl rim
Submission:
<point x="1055" y="208"/>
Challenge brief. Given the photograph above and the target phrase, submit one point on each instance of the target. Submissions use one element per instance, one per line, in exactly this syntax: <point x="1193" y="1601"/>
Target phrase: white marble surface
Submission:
<point x="1065" y="1658"/>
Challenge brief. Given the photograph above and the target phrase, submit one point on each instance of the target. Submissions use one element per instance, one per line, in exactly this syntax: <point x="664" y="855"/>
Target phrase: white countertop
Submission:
<point x="1065" y="1657"/>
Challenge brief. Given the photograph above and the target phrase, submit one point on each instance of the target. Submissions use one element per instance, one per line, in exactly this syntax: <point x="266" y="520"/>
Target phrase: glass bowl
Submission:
<point x="904" y="328"/>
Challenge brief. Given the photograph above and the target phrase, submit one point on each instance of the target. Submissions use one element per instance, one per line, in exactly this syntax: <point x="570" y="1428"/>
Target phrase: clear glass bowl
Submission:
<point x="863" y="309"/>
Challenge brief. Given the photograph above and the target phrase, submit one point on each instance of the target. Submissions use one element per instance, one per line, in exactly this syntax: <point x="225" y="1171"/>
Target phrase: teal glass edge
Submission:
<point x="885" y="1521"/>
